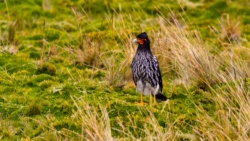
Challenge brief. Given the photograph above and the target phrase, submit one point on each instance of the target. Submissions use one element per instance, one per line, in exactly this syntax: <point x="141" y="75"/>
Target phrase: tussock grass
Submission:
<point x="232" y="114"/>
<point x="184" y="53"/>
<point x="230" y="29"/>
<point x="95" y="123"/>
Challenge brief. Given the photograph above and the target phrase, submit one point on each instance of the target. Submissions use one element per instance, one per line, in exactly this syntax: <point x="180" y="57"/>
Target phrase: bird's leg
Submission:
<point x="150" y="100"/>
<point x="154" y="99"/>
<point x="141" y="103"/>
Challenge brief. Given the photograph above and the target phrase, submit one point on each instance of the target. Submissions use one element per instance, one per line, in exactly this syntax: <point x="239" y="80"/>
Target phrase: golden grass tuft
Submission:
<point x="88" y="57"/>
<point x="116" y="72"/>
<point x="11" y="32"/>
<point x="187" y="58"/>
<point x="232" y="114"/>
<point x="230" y="28"/>
<point x="53" y="51"/>
<point x="181" y="51"/>
<point x="96" y="125"/>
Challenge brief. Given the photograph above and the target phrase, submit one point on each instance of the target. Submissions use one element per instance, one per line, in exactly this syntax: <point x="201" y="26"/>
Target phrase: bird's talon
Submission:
<point x="140" y="103"/>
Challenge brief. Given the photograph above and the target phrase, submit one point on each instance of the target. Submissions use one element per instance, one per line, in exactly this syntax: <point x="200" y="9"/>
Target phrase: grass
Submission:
<point x="65" y="70"/>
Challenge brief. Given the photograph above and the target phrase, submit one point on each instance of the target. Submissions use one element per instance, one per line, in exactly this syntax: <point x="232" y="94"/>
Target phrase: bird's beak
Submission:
<point x="135" y="40"/>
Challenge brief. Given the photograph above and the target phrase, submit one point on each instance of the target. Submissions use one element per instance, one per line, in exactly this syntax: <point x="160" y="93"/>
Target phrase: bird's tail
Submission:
<point x="160" y="97"/>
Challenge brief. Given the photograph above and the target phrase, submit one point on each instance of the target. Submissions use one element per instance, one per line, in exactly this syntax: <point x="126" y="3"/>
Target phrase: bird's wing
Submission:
<point x="147" y="70"/>
<point x="158" y="73"/>
<point x="134" y="71"/>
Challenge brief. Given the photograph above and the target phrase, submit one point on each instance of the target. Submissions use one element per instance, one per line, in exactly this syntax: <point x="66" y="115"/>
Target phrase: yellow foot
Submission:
<point x="140" y="103"/>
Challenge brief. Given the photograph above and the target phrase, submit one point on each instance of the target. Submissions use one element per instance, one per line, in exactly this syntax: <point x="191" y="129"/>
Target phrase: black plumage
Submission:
<point x="146" y="71"/>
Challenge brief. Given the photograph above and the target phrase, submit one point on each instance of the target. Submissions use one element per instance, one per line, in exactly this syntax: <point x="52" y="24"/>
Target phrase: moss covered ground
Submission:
<point x="64" y="70"/>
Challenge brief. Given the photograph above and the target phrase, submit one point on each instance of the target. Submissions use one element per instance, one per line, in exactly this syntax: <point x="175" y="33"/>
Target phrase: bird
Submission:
<point x="146" y="71"/>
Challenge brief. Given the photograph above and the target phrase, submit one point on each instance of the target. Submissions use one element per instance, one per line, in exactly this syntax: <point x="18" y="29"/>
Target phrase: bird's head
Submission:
<point x="141" y="38"/>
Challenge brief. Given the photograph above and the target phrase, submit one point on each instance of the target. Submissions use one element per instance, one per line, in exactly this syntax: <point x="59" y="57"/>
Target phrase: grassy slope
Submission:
<point x="57" y="58"/>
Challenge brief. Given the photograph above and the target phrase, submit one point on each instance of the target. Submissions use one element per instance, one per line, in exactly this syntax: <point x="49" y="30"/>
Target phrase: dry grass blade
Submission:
<point x="95" y="126"/>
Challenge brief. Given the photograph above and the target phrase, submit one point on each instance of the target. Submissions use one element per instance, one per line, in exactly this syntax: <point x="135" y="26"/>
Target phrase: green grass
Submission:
<point x="65" y="71"/>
